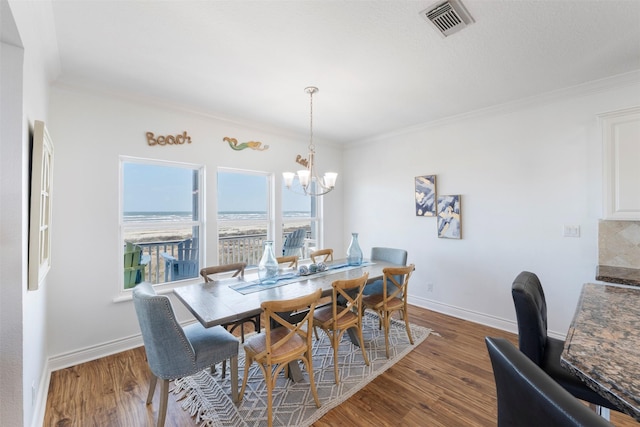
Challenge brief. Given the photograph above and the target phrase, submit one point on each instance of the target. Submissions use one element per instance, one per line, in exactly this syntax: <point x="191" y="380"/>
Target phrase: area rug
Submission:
<point x="208" y="397"/>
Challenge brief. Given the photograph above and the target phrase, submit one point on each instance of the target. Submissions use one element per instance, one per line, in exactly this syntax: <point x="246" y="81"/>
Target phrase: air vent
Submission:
<point x="448" y="17"/>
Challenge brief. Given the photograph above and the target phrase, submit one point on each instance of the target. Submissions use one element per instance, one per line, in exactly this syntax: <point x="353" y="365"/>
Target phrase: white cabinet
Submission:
<point x="621" y="155"/>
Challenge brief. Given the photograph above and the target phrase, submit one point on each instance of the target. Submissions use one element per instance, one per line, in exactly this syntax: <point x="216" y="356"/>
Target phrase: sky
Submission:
<point x="156" y="188"/>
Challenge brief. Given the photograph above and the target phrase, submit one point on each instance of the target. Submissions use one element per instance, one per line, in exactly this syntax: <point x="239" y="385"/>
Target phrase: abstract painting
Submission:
<point x="426" y="195"/>
<point x="449" y="217"/>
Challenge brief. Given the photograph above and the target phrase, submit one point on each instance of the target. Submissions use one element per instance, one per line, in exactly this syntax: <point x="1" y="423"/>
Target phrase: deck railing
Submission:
<point x="231" y="249"/>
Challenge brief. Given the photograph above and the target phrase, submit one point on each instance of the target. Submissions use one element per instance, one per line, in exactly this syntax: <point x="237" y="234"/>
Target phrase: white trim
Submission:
<point x="473" y="316"/>
<point x="596" y="86"/>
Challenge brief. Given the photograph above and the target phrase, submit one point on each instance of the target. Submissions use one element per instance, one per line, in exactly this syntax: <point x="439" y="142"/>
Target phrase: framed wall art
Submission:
<point x="425" y="187"/>
<point x="449" y="217"/>
<point x="40" y="206"/>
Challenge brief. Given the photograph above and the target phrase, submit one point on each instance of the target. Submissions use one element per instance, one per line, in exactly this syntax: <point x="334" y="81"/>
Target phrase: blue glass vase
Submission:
<point x="354" y="253"/>
<point x="268" y="267"/>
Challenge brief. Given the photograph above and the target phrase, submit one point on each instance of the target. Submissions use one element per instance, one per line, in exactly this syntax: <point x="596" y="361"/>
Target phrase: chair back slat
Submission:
<point x="209" y="273"/>
<point x="322" y="255"/>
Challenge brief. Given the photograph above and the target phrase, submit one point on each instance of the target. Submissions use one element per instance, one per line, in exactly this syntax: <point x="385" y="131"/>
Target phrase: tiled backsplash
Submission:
<point x="619" y="243"/>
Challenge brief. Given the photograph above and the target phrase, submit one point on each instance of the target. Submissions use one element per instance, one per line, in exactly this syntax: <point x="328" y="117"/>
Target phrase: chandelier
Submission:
<point x="308" y="175"/>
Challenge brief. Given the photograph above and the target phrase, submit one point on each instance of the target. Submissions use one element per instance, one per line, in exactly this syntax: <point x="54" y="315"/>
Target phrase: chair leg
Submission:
<point x="152" y="388"/>
<point x="387" y="323"/>
<point x="234" y="378"/>
<point x="334" y="343"/>
<point x="164" y="397"/>
<point x="406" y="323"/>
<point x="247" y="364"/>
<point x="361" y="339"/>
<point x="308" y="363"/>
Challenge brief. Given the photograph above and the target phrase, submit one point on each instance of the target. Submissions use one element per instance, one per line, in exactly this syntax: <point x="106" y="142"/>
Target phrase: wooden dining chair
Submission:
<point x="393" y="298"/>
<point x="291" y="260"/>
<point x="321" y="255"/>
<point x="213" y="273"/>
<point x="336" y="319"/>
<point x="282" y="342"/>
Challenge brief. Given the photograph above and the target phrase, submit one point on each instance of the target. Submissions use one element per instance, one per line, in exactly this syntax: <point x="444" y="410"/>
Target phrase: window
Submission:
<point x="300" y="211"/>
<point x="161" y="221"/>
<point x="244" y="212"/>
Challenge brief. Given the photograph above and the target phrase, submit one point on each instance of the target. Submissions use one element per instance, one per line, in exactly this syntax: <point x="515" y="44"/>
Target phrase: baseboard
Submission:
<point x="473" y="316"/>
<point x="88" y="354"/>
<point x="41" y="399"/>
<point x="465" y="314"/>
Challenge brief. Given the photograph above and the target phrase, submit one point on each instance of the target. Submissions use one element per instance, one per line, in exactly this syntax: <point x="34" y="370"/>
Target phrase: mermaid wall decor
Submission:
<point x="254" y="145"/>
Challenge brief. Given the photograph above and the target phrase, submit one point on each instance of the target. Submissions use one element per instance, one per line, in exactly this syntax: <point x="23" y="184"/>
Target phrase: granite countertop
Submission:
<point x="603" y="344"/>
<point x="621" y="275"/>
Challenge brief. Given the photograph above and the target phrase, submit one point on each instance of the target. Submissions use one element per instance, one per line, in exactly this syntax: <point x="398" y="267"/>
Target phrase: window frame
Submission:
<point x="270" y="215"/>
<point x="122" y="293"/>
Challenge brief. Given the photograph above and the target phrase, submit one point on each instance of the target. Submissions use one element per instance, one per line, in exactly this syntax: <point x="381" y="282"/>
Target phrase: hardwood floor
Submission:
<point x="445" y="381"/>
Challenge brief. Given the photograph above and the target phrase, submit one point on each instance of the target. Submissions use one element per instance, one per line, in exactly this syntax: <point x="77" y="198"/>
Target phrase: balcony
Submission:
<point x="231" y="249"/>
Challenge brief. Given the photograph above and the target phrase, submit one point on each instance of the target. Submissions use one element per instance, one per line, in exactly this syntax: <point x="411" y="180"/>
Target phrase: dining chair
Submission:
<point x="529" y="397"/>
<point x="393" y="297"/>
<point x="291" y="260"/>
<point x="392" y="255"/>
<point x="282" y="342"/>
<point x="543" y="350"/>
<point x="322" y="255"/>
<point x="336" y="319"/>
<point x="176" y="352"/>
<point x="213" y="273"/>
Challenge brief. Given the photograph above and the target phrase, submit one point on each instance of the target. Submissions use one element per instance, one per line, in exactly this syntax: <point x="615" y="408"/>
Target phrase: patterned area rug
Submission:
<point x="208" y="398"/>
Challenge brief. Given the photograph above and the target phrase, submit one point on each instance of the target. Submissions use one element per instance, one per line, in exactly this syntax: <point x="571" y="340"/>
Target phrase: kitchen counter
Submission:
<point x="620" y="275"/>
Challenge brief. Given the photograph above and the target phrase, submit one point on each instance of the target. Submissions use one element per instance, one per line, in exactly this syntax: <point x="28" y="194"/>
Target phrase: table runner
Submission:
<point x="255" y="286"/>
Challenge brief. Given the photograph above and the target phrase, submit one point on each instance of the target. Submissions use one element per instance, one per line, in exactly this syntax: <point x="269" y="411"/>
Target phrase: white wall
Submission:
<point x="26" y="71"/>
<point x="524" y="171"/>
<point x="90" y="132"/>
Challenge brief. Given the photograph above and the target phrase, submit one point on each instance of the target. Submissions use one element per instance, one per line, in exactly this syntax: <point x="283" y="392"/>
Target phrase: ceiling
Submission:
<point x="379" y="65"/>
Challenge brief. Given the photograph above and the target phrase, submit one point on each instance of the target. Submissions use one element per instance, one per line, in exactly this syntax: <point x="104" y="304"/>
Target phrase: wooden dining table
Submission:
<point x="603" y="344"/>
<point x="232" y="299"/>
<point x="217" y="303"/>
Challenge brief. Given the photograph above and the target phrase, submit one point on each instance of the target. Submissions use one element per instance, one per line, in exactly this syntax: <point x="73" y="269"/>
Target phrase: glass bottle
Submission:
<point x="268" y="267"/>
<point x="354" y="253"/>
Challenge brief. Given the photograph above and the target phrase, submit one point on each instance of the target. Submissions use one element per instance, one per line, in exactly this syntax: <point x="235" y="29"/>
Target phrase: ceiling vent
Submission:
<point x="448" y="17"/>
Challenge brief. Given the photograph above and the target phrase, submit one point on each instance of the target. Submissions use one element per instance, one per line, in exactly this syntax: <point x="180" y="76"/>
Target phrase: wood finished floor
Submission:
<point x="445" y="381"/>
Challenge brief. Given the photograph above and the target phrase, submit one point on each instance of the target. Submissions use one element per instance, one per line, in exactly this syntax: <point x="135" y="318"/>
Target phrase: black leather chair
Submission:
<point x="544" y="351"/>
<point x="527" y="396"/>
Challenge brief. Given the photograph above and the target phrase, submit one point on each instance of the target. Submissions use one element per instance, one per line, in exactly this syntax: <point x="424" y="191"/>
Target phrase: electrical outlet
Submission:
<point x="571" y="231"/>
<point x="429" y="287"/>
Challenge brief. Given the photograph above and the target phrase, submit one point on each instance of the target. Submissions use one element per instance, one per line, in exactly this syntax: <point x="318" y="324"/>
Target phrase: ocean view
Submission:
<point x="176" y="216"/>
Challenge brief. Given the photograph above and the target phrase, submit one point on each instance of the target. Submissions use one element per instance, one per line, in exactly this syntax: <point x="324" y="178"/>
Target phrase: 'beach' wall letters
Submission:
<point x="168" y="139"/>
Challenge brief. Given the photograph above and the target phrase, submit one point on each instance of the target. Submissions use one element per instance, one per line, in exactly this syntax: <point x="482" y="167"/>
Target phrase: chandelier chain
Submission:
<point x="311" y="91"/>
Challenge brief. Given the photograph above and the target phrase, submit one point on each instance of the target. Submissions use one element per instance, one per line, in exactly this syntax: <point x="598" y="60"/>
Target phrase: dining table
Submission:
<point x="603" y="344"/>
<point x="231" y="299"/>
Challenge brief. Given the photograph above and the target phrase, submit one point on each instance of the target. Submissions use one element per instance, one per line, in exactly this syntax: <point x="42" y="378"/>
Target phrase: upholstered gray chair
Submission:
<point x="528" y="397"/>
<point x="394" y="256"/>
<point x="175" y="352"/>
<point x="545" y="351"/>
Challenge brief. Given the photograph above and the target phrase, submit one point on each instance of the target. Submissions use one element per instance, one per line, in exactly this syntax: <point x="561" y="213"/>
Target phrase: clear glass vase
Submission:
<point x="268" y="267"/>
<point x="354" y="253"/>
